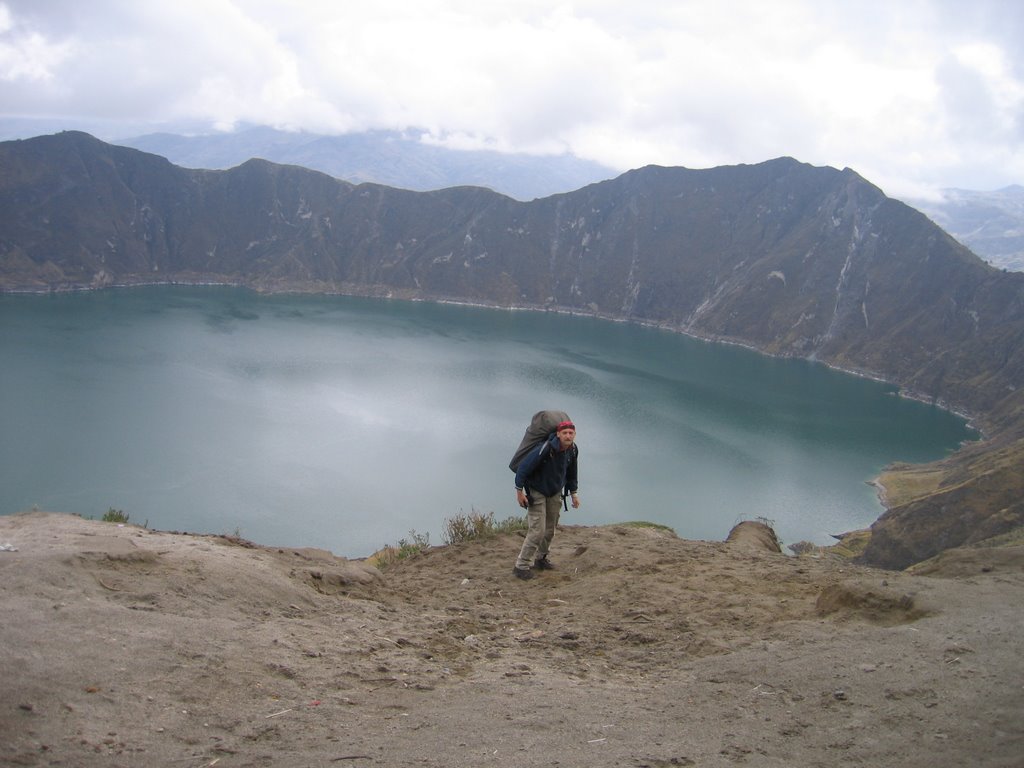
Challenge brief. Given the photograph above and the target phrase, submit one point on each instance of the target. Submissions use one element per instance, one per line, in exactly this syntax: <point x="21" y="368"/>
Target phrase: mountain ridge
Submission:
<point x="400" y="159"/>
<point x="788" y="258"/>
<point x="990" y="223"/>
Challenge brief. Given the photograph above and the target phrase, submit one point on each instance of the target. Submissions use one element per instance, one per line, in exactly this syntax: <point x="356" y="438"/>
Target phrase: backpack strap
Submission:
<point x="565" y="491"/>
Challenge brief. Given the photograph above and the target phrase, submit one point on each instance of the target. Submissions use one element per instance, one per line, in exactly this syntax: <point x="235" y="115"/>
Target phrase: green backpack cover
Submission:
<point x="541" y="426"/>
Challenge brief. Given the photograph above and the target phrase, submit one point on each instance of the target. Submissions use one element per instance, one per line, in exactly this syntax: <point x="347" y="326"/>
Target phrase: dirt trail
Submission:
<point x="127" y="647"/>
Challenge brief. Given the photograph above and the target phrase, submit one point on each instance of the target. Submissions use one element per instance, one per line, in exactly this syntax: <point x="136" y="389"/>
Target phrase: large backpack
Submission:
<point x="541" y="426"/>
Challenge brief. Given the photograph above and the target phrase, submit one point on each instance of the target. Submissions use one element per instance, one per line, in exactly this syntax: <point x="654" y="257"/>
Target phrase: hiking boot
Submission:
<point x="543" y="564"/>
<point x="523" y="573"/>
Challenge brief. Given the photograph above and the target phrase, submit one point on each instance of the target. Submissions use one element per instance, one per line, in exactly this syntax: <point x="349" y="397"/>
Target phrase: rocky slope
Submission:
<point x="785" y="257"/>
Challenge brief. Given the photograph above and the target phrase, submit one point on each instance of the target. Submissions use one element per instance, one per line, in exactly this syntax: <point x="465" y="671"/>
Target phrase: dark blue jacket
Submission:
<point x="548" y="469"/>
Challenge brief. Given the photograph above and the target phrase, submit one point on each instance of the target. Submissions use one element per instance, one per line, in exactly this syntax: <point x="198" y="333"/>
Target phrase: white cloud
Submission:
<point x="27" y="56"/>
<point x="911" y="94"/>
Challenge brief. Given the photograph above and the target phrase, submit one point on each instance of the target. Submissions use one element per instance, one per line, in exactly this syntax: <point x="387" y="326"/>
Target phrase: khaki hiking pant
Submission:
<point x="541" y="519"/>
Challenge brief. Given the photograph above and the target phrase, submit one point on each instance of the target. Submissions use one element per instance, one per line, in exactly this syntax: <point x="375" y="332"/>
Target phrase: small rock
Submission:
<point x="839" y="694"/>
<point x="534" y="635"/>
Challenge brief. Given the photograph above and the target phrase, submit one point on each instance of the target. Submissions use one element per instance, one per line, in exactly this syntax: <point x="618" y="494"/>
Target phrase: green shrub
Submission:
<point x="405" y="548"/>
<point x="476" y="525"/>
<point x="511" y="524"/>
<point x="415" y="544"/>
<point x="114" y="516"/>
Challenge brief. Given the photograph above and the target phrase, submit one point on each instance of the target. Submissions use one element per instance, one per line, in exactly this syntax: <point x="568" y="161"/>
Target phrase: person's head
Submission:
<point x="566" y="432"/>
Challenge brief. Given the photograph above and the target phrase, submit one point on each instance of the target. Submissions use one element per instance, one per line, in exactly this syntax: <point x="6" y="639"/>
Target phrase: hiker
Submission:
<point x="543" y="478"/>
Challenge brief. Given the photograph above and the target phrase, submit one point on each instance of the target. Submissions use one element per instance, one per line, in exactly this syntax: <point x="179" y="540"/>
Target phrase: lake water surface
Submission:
<point x="347" y="423"/>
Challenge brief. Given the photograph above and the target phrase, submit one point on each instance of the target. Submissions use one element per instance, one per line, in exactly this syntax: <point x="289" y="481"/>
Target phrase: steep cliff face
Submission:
<point x="786" y="257"/>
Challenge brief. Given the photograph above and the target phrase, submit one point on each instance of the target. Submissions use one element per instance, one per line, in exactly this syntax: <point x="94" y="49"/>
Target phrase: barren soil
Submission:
<point x="121" y="646"/>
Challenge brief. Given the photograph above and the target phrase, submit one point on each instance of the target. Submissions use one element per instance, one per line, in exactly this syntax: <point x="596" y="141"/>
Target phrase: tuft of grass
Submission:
<point x="406" y="548"/>
<point x="114" y="516"/>
<point x="476" y="525"/>
<point x="461" y="527"/>
<point x="647" y="524"/>
<point x="512" y="524"/>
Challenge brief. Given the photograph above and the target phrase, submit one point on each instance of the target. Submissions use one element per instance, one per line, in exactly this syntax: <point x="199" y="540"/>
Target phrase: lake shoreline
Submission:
<point x="413" y="297"/>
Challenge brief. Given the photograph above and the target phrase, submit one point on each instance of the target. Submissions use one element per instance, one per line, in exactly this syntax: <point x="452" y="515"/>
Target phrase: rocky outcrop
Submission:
<point x="969" y="498"/>
<point x="754" y="534"/>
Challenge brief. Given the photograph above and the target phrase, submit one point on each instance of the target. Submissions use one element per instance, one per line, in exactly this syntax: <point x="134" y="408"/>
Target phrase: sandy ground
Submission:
<point x="121" y="646"/>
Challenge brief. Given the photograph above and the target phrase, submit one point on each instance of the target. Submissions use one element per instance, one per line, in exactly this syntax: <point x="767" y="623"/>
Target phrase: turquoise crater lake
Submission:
<point x="346" y="423"/>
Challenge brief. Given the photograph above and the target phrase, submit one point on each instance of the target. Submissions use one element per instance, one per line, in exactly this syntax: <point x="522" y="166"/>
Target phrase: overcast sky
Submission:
<point x="913" y="94"/>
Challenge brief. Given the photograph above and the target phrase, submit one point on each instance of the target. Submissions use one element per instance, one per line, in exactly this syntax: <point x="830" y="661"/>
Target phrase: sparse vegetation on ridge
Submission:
<point x="390" y="554"/>
<point x="646" y="524"/>
<point x="476" y="525"/>
<point x="458" y="528"/>
<point x="114" y="516"/>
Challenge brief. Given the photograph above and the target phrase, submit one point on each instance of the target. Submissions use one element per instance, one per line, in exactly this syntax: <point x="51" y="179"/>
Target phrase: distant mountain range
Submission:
<point x="989" y="223"/>
<point x="402" y="160"/>
<point x="787" y="258"/>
